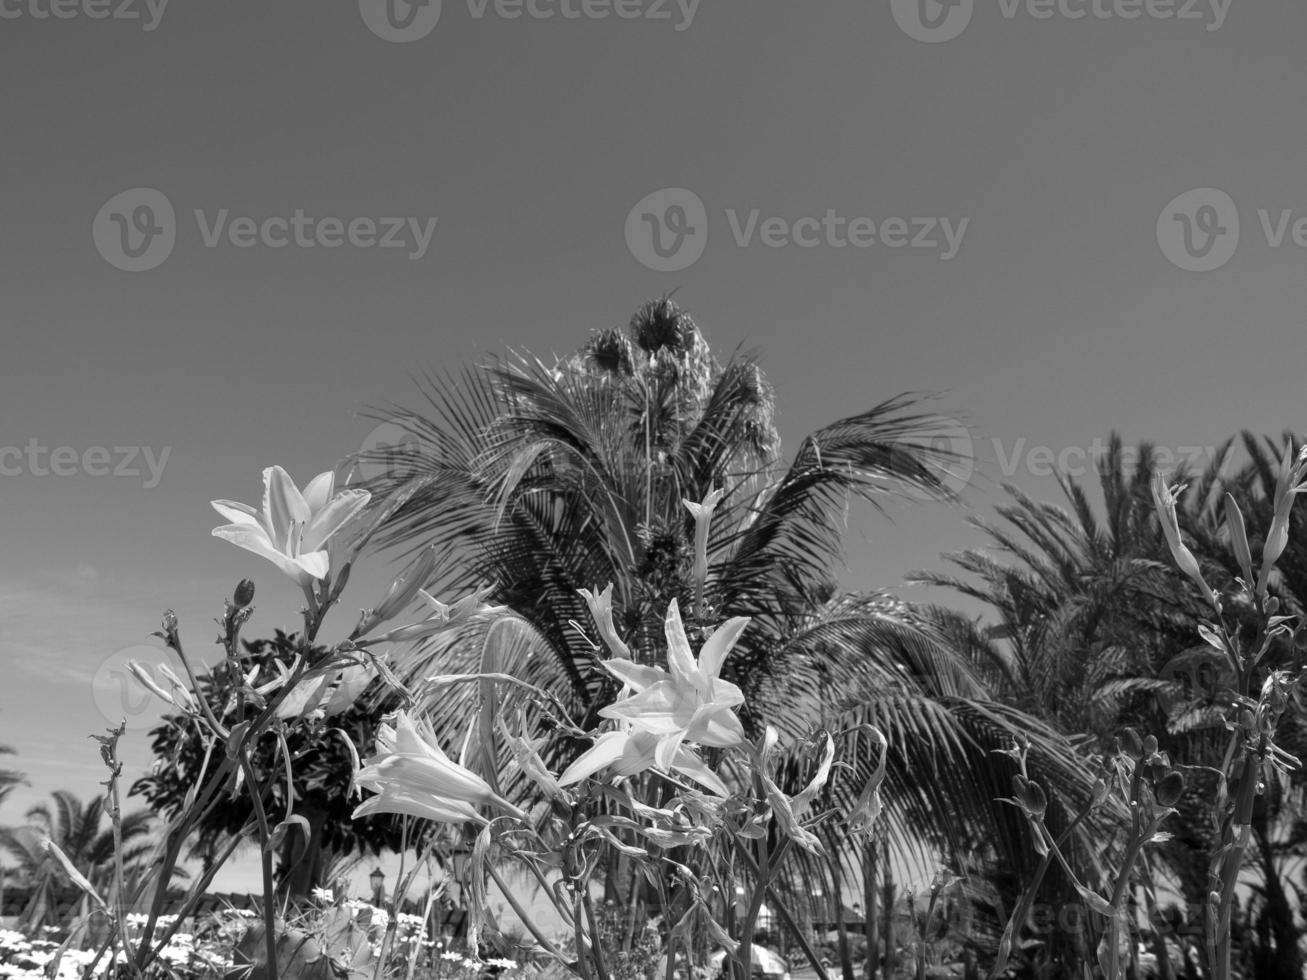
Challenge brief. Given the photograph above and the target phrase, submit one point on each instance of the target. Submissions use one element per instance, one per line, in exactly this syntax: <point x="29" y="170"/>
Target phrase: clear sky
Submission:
<point x="1033" y="159"/>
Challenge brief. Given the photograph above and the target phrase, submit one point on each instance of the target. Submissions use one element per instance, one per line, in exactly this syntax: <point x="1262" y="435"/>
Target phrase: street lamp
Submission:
<point x="378" y="880"/>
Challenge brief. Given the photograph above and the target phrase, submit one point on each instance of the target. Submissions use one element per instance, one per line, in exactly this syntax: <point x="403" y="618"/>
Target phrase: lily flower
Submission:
<point x="629" y="752"/>
<point x="412" y="775"/>
<point x="702" y="514"/>
<point x="667" y="708"/>
<point x="601" y="608"/>
<point x="292" y="528"/>
<point x="1164" y="500"/>
<point x="789" y="811"/>
<point x="689" y="702"/>
<point x="526" y="757"/>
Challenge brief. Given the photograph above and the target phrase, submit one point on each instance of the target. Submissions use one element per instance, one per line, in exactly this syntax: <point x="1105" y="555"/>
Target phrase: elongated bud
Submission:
<point x="1277" y="536"/>
<point x="1272" y="605"/>
<point x="1150" y="744"/>
<point x="1164" y="501"/>
<point x="1131" y="744"/>
<point x="1239" y="539"/>
<point x="1170" y="789"/>
<point x="244" y="594"/>
<point x="1035" y="799"/>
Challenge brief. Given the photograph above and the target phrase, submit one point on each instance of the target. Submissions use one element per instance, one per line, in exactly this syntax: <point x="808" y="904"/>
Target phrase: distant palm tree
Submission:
<point x="9" y="778"/>
<point x="541" y="479"/>
<point x="1091" y="628"/>
<point x="75" y="828"/>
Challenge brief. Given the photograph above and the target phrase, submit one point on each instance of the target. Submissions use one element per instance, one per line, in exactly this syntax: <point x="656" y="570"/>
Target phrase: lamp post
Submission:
<point x="378" y="880"/>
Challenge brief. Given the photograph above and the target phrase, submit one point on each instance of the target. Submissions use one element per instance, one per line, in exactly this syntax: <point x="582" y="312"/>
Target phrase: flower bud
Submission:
<point x="1100" y="792"/>
<point x="1272" y="605"/>
<point x="1239" y="539"/>
<point x="244" y="594"/>
<point x="1131" y="744"/>
<point x="1035" y="800"/>
<point x="1170" y="789"/>
<point x="1150" y="744"/>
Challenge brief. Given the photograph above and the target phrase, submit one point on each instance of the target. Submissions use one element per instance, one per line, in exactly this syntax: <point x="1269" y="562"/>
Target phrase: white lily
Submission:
<point x="412" y="775"/>
<point x="668" y="708"/>
<point x="292" y="528"/>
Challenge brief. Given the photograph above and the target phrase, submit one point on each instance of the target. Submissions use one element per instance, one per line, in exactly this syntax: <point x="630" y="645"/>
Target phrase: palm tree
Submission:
<point x="538" y="480"/>
<point x="9" y="778"/>
<point x="1093" y="630"/>
<point x="75" y="828"/>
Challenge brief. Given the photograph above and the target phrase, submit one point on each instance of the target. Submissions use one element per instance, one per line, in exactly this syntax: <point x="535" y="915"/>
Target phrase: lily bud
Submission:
<point x="1150" y="744"/>
<point x="1239" y="539"/>
<point x="1164" y="500"/>
<point x="1170" y="789"/>
<point x="1277" y="537"/>
<point x="244" y="594"/>
<point x="1131" y="744"/>
<point x="1036" y="802"/>
<point x="702" y="521"/>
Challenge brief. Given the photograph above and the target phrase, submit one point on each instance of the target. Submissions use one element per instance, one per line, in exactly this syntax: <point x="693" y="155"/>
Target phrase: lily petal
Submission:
<point x="283" y="508"/>
<point x="253" y="539"/>
<point x="237" y="513"/>
<point x="689" y="764"/>
<point x="719" y="644"/>
<point x="327" y="520"/>
<point x="318" y="493"/>
<point x="638" y="677"/>
<point x="608" y="748"/>
<point x="679" y="657"/>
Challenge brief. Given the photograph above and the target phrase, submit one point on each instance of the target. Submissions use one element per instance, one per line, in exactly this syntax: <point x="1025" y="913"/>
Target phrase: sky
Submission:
<point x="229" y="229"/>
